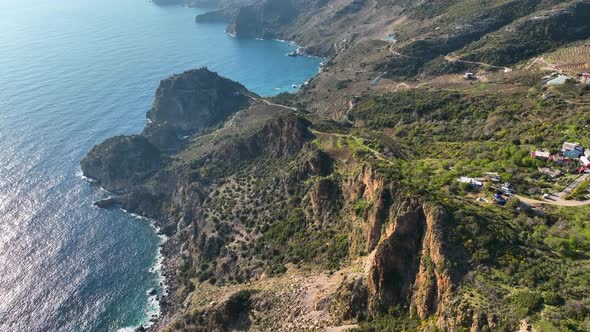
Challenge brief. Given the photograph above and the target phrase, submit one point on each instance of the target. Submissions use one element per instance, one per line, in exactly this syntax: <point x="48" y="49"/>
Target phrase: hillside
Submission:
<point x="345" y="206"/>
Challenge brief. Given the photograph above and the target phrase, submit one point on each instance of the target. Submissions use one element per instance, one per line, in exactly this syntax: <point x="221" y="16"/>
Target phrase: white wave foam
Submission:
<point x="80" y="174"/>
<point x="153" y="309"/>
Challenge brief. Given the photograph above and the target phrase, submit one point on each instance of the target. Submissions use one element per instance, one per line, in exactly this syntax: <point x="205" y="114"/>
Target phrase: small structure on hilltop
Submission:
<point x="392" y="38"/>
<point x="572" y="150"/>
<point x="475" y="183"/>
<point x="506" y="188"/>
<point x="540" y="154"/>
<point x="559" y="80"/>
<point x="469" y="76"/>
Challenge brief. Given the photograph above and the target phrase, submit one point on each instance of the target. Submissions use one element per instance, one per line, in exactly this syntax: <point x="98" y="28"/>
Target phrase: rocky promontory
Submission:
<point x="122" y="162"/>
<point x="184" y="104"/>
<point x="192" y="101"/>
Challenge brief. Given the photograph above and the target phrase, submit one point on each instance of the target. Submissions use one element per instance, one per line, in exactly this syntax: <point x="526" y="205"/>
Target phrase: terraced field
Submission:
<point x="571" y="60"/>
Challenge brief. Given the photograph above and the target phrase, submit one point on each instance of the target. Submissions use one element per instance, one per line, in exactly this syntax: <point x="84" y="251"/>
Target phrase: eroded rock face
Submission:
<point x="369" y="187"/>
<point x="324" y="201"/>
<point x="433" y="282"/>
<point x="396" y="262"/>
<point x="410" y="267"/>
<point x="121" y="162"/>
<point x="319" y="164"/>
<point x="232" y="314"/>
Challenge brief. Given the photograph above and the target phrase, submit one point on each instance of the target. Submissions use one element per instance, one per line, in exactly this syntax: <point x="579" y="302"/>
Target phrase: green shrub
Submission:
<point x="526" y="303"/>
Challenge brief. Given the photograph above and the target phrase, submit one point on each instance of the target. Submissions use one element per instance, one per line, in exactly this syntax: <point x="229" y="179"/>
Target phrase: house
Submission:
<point x="552" y="172"/>
<point x="469" y="76"/>
<point x="499" y="199"/>
<point x="506" y="188"/>
<point x="587" y="153"/>
<point x="559" y="80"/>
<point x="540" y="154"/>
<point x="493" y="176"/>
<point x="474" y="182"/>
<point x="392" y="37"/>
<point x="584" y="161"/>
<point x="572" y="150"/>
<point x="585" y="78"/>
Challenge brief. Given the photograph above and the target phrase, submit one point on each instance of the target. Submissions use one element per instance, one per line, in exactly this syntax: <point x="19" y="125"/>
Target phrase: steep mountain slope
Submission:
<point x="346" y="223"/>
<point x="338" y="207"/>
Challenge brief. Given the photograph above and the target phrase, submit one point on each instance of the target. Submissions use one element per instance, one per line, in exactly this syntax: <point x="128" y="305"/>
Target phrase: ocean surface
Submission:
<point x="73" y="73"/>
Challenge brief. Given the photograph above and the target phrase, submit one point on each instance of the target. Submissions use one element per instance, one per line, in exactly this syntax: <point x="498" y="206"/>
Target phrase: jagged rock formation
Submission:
<point x="410" y="268"/>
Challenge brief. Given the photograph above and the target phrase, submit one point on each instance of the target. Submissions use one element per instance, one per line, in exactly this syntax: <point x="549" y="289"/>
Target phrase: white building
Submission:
<point x="471" y="181"/>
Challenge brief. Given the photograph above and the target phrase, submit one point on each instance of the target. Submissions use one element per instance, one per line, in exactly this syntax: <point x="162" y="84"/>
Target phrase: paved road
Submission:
<point x="557" y="199"/>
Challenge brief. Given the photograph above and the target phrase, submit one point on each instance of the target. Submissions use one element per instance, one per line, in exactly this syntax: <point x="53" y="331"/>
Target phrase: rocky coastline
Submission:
<point x="338" y="207"/>
<point x="121" y="164"/>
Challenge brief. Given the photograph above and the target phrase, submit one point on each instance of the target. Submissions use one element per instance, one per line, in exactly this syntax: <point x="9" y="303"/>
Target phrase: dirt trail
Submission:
<point x="548" y="65"/>
<point x="277" y="105"/>
<point x="451" y="58"/>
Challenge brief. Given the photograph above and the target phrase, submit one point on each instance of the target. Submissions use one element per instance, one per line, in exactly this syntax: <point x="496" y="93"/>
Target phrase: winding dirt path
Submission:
<point x="451" y="58"/>
<point x="277" y="105"/>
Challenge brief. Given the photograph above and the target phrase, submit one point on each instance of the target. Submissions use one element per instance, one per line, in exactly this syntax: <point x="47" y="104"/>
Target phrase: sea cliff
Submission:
<point x="341" y="206"/>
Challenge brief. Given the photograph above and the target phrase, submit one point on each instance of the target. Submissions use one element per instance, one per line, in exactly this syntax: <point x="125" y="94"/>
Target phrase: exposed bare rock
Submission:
<point x="410" y="266"/>
<point x="351" y="299"/>
<point x="396" y="262"/>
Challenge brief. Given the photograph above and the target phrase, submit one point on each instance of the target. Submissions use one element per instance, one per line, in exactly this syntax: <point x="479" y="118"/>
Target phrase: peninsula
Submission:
<point x="422" y="181"/>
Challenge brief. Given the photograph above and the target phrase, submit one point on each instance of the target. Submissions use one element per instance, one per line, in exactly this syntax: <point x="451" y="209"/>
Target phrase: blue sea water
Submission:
<point x="73" y="73"/>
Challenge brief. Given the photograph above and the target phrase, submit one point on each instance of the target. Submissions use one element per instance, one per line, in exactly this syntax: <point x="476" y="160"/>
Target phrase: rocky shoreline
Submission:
<point x="332" y="188"/>
<point x="168" y="272"/>
<point x="120" y="166"/>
